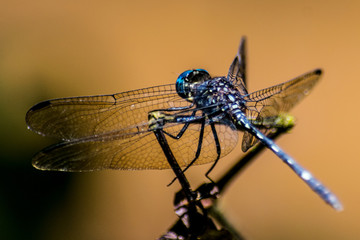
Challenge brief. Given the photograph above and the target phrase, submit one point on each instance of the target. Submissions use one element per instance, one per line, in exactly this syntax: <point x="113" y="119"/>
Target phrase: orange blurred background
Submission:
<point x="51" y="49"/>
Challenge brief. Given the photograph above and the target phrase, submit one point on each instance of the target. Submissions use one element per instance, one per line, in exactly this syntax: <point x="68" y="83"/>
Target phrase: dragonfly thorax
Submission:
<point x="219" y="93"/>
<point x="188" y="80"/>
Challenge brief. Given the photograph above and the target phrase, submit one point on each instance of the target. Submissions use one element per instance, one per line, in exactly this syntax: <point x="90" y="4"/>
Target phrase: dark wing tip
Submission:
<point x="40" y="105"/>
<point x="318" y="71"/>
<point x="29" y="118"/>
<point x="36" y="107"/>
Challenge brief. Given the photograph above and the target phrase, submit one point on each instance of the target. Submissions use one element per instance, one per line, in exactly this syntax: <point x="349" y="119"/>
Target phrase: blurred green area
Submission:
<point x="27" y="195"/>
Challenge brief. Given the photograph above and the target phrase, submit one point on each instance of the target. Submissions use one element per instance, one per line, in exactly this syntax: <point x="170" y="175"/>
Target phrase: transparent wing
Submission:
<point x="265" y="105"/>
<point x="79" y="117"/>
<point x="237" y="70"/>
<point x="111" y="132"/>
<point x="249" y="140"/>
<point x="135" y="151"/>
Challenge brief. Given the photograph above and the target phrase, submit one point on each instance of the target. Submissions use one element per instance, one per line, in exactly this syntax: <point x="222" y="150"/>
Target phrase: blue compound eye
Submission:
<point x="187" y="80"/>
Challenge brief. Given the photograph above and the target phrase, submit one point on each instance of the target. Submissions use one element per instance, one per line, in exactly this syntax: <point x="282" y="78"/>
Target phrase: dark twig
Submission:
<point x="207" y="195"/>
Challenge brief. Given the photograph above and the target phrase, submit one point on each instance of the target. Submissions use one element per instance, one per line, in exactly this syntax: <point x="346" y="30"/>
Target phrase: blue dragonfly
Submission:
<point x="200" y="115"/>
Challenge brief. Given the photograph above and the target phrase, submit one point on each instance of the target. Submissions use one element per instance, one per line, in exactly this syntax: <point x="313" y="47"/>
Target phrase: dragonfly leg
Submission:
<point x="218" y="150"/>
<point x="197" y="154"/>
<point x="201" y="136"/>
<point x="182" y="131"/>
<point x="190" y="195"/>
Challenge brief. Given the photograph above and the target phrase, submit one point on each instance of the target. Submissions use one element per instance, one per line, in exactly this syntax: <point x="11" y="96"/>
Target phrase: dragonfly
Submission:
<point x="200" y="115"/>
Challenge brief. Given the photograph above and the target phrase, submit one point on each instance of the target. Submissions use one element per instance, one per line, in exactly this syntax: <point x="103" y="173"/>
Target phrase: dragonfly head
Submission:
<point x="186" y="82"/>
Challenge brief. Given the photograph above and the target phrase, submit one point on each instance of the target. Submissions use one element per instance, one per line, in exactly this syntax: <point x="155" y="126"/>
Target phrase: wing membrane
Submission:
<point x="79" y="117"/>
<point x="134" y="151"/>
<point x="237" y="70"/>
<point x="268" y="103"/>
<point x="111" y="132"/>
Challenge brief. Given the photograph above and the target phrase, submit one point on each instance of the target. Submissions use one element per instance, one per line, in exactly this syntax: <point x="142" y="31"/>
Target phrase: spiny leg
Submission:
<point x="190" y="195"/>
<point x="182" y="131"/>
<point x="201" y="137"/>
<point x="197" y="154"/>
<point x="218" y="149"/>
<point x="196" y="119"/>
